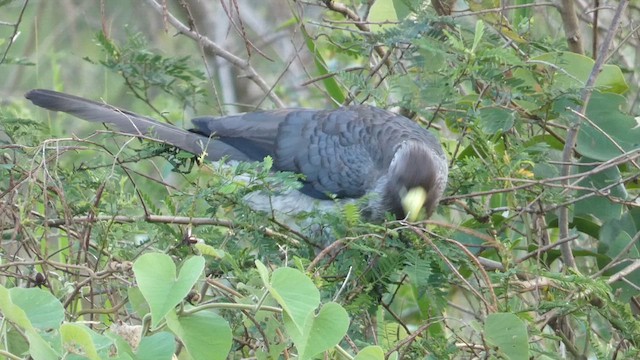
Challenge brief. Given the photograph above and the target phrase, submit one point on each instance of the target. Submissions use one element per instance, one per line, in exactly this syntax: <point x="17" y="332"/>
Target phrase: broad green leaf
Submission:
<point x="204" y="334"/>
<point x="14" y="341"/>
<point x="321" y="332"/>
<point x="604" y="111"/>
<point x="79" y="338"/>
<point x="42" y="308"/>
<point x="585" y="224"/>
<point x="572" y="71"/>
<point x="13" y="312"/>
<point x="614" y="238"/>
<point x="157" y="280"/>
<point x="39" y="349"/>
<point x="469" y="239"/>
<point x="160" y="346"/>
<point x="390" y="11"/>
<point x="599" y="206"/>
<point x="136" y="300"/>
<point x="263" y="272"/>
<point x="508" y="333"/>
<point x="496" y="120"/>
<point x="370" y="353"/>
<point x="296" y="293"/>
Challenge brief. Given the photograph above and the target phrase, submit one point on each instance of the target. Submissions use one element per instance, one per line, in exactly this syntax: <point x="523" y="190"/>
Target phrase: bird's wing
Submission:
<point x="319" y="144"/>
<point x="134" y="124"/>
<point x="253" y="133"/>
<point x="348" y="151"/>
<point x="330" y="148"/>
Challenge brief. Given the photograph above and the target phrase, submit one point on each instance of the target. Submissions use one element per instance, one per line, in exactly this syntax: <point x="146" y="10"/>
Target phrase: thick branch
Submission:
<point x="571" y="26"/>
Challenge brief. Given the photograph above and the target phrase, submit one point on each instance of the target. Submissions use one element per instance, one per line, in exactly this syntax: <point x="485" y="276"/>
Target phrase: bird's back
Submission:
<point x="340" y="151"/>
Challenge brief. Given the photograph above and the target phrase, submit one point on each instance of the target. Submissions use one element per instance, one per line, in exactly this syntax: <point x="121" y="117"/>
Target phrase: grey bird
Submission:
<point x="345" y="153"/>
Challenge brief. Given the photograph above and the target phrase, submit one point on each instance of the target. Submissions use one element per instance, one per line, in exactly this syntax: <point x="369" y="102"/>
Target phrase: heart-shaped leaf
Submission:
<point x="296" y="293"/>
<point x="38" y="347"/>
<point x="42" y="308"/>
<point x="160" y="346"/>
<point x="161" y="288"/>
<point x="321" y="332"/>
<point x="204" y="334"/>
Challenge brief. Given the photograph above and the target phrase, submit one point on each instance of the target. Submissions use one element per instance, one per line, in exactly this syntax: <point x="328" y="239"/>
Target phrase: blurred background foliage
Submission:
<point x="532" y="254"/>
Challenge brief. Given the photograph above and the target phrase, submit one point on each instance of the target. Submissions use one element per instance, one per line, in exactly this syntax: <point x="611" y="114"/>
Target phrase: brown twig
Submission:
<point x="216" y="49"/>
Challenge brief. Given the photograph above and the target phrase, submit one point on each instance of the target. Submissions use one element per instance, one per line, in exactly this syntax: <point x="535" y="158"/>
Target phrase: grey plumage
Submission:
<point x="348" y="152"/>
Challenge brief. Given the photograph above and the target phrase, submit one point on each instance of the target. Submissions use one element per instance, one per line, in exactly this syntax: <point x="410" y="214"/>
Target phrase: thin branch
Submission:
<point x="491" y="307"/>
<point x="15" y="33"/>
<point x="502" y="9"/>
<point x="217" y="50"/>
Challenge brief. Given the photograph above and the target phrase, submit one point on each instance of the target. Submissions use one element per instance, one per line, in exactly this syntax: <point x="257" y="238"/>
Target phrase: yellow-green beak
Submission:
<point x="413" y="203"/>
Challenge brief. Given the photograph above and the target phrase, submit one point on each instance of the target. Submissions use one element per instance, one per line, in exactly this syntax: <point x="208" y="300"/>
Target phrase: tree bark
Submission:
<point x="571" y="26"/>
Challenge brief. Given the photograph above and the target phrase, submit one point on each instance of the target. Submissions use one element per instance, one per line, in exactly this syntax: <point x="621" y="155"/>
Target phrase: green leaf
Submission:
<point x="157" y="280"/>
<point x="159" y="346"/>
<point x="136" y="299"/>
<point x="572" y="71"/>
<point x="508" y="333"/>
<point x="614" y="238"/>
<point x="38" y="347"/>
<point x="204" y="334"/>
<point x="267" y="163"/>
<point x="263" y="272"/>
<point x="80" y="339"/>
<point x="390" y="11"/>
<point x="13" y="312"/>
<point x="41" y="307"/>
<point x="208" y="250"/>
<point x="330" y="84"/>
<point x="370" y="353"/>
<point x="321" y="332"/>
<point x="496" y="120"/>
<point x="604" y="112"/>
<point x="599" y="206"/>
<point x="477" y="35"/>
<point x="296" y="293"/>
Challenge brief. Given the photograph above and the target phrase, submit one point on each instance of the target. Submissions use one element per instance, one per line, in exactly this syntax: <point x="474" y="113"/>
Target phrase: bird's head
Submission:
<point x="415" y="181"/>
